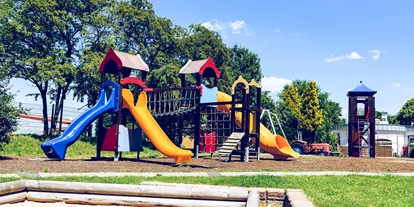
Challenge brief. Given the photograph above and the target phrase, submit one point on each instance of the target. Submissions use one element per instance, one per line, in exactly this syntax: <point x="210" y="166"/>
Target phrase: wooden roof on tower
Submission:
<point x="361" y="90"/>
<point x="123" y="60"/>
<point x="205" y="68"/>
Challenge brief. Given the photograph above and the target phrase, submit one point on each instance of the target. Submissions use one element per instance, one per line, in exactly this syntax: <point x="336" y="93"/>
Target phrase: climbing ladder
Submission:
<point x="231" y="144"/>
<point x="363" y="132"/>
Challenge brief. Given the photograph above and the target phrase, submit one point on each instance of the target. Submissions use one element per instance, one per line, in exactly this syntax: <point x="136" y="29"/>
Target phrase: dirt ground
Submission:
<point x="304" y="163"/>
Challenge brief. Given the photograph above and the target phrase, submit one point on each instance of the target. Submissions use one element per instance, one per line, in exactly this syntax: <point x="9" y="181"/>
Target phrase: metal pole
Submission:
<point x="271" y="122"/>
<point x="280" y="126"/>
<point x="261" y="115"/>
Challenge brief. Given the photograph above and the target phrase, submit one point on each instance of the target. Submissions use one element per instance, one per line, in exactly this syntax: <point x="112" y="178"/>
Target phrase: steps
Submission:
<point x="230" y="144"/>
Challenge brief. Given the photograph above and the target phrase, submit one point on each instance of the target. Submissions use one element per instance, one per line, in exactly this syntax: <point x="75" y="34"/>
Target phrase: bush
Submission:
<point x="8" y="114"/>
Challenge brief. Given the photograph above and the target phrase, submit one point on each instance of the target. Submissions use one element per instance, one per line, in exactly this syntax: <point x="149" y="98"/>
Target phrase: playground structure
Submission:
<point x="361" y="124"/>
<point x="241" y="135"/>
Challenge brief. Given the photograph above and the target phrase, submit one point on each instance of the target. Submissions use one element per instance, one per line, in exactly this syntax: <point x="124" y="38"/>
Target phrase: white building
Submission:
<point x="398" y="134"/>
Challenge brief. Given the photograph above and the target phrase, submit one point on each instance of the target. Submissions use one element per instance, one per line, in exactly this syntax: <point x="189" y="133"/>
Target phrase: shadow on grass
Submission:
<point x="280" y="159"/>
<point x="152" y="161"/>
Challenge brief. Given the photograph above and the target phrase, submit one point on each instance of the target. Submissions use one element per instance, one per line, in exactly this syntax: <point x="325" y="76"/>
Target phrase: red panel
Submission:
<point x="109" y="142"/>
<point x="133" y="80"/>
<point x="201" y="89"/>
<point x="210" y="140"/>
<point x="110" y="56"/>
<point x="210" y="64"/>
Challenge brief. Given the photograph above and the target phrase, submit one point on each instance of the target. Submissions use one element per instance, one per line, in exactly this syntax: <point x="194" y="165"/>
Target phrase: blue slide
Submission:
<point x="56" y="148"/>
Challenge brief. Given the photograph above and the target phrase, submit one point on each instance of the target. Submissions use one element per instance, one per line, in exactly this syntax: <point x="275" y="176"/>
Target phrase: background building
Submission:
<point x="397" y="134"/>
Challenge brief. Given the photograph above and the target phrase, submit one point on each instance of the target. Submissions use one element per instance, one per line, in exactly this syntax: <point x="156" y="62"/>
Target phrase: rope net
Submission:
<point x="214" y="121"/>
<point x="171" y="102"/>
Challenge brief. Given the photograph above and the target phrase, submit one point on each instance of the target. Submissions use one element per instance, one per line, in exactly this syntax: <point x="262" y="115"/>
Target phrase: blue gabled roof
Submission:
<point x="361" y="89"/>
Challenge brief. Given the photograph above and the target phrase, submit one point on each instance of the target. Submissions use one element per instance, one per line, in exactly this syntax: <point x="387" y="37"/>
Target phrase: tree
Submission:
<point x="406" y="114"/>
<point x="42" y="42"/>
<point x="245" y="63"/>
<point x="142" y="32"/>
<point x="165" y="77"/>
<point x="28" y="41"/>
<point x="331" y="112"/>
<point x="199" y="43"/>
<point x="98" y="38"/>
<point x="8" y="112"/>
<point x="293" y="100"/>
<point x="312" y="115"/>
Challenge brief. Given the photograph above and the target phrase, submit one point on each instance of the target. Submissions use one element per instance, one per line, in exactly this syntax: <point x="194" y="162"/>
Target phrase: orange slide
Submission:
<point x="270" y="143"/>
<point x="151" y="128"/>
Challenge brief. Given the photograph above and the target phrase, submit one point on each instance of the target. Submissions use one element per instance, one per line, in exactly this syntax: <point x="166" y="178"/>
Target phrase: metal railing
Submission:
<point x="28" y="126"/>
<point x="384" y="127"/>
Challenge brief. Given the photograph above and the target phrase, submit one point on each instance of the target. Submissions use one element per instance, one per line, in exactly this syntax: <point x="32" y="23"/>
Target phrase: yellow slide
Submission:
<point x="151" y="128"/>
<point x="270" y="143"/>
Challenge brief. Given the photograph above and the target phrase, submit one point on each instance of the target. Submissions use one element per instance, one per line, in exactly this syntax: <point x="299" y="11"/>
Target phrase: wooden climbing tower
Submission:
<point x="361" y="122"/>
<point x="245" y="121"/>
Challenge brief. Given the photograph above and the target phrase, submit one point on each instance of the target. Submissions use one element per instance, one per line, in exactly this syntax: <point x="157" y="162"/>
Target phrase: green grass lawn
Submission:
<point x="22" y="145"/>
<point x="322" y="190"/>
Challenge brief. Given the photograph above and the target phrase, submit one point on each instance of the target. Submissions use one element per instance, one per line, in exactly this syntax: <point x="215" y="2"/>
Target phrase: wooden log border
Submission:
<point x="139" y="190"/>
<point x="147" y="193"/>
<point x="12" y="187"/>
<point x="92" y="199"/>
<point x="13" y="198"/>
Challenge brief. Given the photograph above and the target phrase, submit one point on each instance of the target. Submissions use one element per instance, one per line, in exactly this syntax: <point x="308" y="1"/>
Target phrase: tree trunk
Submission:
<point x="57" y="109"/>
<point x="43" y="94"/>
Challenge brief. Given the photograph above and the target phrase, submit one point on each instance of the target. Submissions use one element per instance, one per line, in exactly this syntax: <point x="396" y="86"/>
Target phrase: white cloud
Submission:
<point x="276" y="31"/>
<point x="274" y="84"/>
<point x="208" y="25"/>
<point x="409" y="89"/>
<point x="352" y="56"/>
<point x="295" y="35"/>
<point x="332" y="58"/>
<point x="376" y="53"/>
<point x="395" y="85"/>
<point x="236" y="27"/>
<point x="214" y="25"/>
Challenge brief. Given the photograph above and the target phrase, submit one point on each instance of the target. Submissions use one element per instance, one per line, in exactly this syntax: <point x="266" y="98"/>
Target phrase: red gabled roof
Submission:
<point x="199" y="66"/>
<point x="124" y="60"/>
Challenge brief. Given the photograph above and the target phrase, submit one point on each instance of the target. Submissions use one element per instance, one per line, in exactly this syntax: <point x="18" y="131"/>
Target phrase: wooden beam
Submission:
<point x="153" y="183"/>
<point x="124" y="200"/>
<point x="254" y="199"/>
<point x="13" y="198"/>
<point x="12" y="187"/>
<point x="137" y="190"/>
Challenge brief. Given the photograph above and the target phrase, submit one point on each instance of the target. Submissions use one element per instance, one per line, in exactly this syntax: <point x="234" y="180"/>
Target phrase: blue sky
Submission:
<point x="336" y="43"/>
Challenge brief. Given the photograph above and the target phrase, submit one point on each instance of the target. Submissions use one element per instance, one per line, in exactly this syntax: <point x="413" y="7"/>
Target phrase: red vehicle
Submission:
<point x="302" y="147"/>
